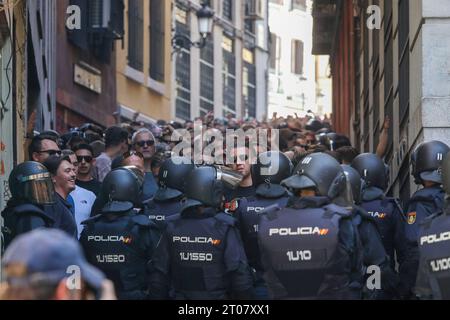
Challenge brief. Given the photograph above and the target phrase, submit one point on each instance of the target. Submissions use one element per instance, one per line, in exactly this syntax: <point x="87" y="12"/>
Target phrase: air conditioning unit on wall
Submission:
<point x="254" y="9"/>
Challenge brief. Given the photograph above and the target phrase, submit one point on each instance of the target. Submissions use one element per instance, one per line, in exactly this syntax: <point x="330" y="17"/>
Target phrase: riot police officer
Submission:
<point x="167" y="200"/>
<point x="434" y="247"/>
<point x="386" y="211"/>
<point x="426" y="169"/>
<point x="207" y="255"/>
<point x="271" y="168"/>
<point x="310" y="249"/>
<point x="32" y="189"/>
<point x="125" y="244"/>
<point x="374" y="253"/>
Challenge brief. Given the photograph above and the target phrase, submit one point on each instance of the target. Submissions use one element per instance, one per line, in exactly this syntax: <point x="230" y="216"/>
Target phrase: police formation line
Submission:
<point x="309" y="232"/>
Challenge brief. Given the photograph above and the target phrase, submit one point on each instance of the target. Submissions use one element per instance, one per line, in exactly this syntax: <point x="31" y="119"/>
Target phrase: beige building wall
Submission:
<point x="135" y="89"/>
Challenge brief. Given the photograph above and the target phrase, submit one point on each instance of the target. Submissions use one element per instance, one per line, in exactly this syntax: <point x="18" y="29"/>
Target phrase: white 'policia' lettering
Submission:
<point x="157" y="217"/>
<point x="434" y="238"/>
<point x="193" y="240"/>
<point x="255" y="209"/>
<point x="440" y="265"/>
<point x="298" y="232"/>
<point x="107" y="238"/>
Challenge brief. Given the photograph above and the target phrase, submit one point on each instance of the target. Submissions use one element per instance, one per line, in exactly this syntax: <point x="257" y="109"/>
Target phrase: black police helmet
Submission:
<point x="172" y="175"/>
<point x="426" y="161"/>
<point x="121" y="187"/>
<point x="356" y="182"/>
<point x="203" y="188"/>
<point x="270" y="170"/>
<point x="372" y="170"/>
<point x="321" y="172"/>
<point x="446" y="173"/>
<point x="30" y="181"/>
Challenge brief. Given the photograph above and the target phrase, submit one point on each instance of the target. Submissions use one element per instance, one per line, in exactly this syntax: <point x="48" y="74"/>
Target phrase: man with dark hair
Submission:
<point x="346" y="155"/>
<point x="86" y="162"/>
<point x="42" y="147"/>
<point x="116" y="143"/>
<point x="63" y="174"/>
<point x="81" y="199"/>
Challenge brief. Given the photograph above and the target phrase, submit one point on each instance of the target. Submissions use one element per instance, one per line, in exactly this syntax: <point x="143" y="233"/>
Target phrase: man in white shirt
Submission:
<point x="83" y="200"/>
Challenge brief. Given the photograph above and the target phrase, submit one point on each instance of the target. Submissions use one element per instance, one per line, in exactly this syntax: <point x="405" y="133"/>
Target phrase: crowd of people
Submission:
<point x="307" y="220"/>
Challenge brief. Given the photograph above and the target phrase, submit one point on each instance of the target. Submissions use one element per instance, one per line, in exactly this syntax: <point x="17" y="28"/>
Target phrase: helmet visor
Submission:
<point x="40" y="191"/>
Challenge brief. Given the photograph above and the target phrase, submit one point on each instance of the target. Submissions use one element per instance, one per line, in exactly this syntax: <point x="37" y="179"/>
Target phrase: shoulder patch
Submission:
<point x="411" y="217"/>
<point x="233" y="205"/>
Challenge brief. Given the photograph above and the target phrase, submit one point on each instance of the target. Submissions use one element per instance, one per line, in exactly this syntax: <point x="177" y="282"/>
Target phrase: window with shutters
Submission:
<point x="275" y="51"/>
<point x="403" y="41"/>
<point x="249" y="83"/>
<point x="157" y="40"/>
<point x="227" y="9"/>
<point x="249" y="24"/>
<point x="376" y="82"/>
<point x="136" y="34"/>
<point x="207" y="77"/>
<point x="183" y="69"/>
<point x="297" y="57"/>
<point x="229" y="76"/>
<point x="388" y="72"/>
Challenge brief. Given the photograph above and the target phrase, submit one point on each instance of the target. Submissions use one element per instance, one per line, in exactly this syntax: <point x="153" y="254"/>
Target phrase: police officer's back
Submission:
<point x="31" y="189"/>
<point x="310" y="248"/>
<point x="433" y="280"/>
<point x="207" y="256"/>
<point x="386" y="211"/>
<point x="426" y="164"/>
<point x="271" y="168"/>
<point x="167" y="200"/>
<point x="374" y="253"/>
<point x="124" y="244"/>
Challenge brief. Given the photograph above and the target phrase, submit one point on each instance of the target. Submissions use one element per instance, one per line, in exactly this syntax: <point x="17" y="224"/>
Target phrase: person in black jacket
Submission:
<point x="207" y="257"/>
<point x="32" y="189"/>
<point x="124" y="243"/>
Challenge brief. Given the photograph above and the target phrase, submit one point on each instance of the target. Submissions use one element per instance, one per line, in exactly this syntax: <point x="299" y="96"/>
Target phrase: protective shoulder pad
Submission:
<point x="173" y="217"/>
<point x="33" y="210"/>
<point x="426" y="222"/>
<point x="360" y="211"/>
<point x="343" y="212"/>
<point x="91" y="219"/>
<point x="141" y="220"/>
<point x="225" y="218"/>
<point x="271" y="212"/>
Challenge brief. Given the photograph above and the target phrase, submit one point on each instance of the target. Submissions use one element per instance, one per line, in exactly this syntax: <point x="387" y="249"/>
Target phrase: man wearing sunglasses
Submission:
<point x="144" y="143"/>
<point x="86" y="162"/>
<point x="42" y="147"/>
